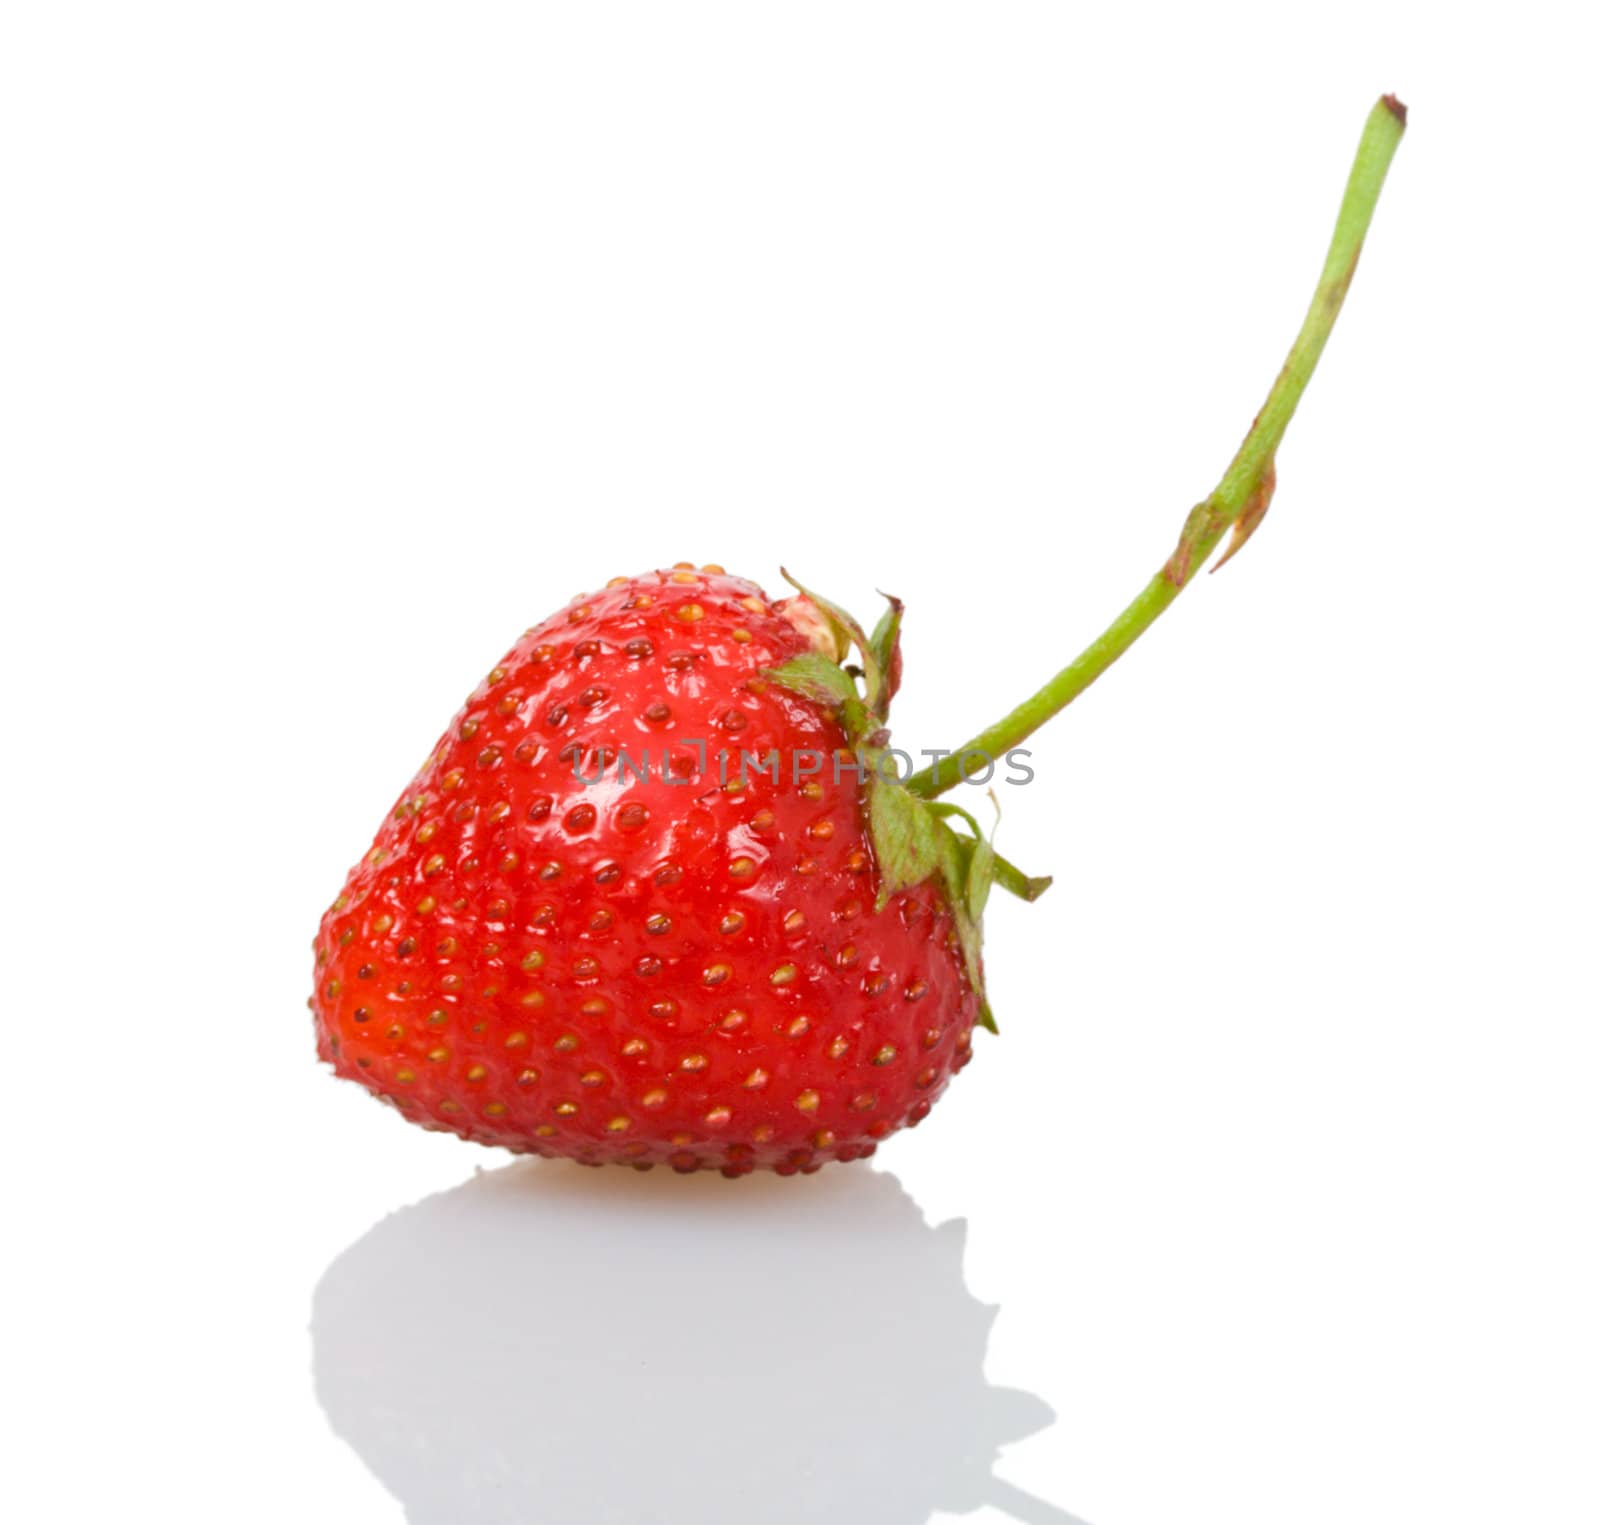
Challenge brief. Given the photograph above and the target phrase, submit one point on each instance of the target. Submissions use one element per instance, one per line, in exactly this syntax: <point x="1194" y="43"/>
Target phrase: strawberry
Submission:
<point x="585" y="929"/>
<point x="660" y="894"/>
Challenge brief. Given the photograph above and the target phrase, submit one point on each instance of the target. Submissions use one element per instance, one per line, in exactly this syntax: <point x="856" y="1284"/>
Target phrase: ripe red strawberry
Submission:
<point x="684" y="967"/>
<point x="592" y="928"/>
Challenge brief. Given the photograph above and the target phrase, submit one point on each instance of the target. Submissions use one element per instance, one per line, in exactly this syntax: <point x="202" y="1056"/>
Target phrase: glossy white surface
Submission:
<point x="342" y="341"/>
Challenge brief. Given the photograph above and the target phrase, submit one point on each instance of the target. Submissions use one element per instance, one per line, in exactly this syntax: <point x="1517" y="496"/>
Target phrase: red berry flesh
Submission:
<point x="582" y="933"/>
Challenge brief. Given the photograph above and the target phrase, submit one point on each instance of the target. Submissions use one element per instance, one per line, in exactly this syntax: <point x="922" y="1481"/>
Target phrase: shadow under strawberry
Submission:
<point x="543" y="1345"/>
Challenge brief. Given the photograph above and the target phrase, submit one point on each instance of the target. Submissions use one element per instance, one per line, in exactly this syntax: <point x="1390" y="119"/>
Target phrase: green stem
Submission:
<point x="1240" y="499"/>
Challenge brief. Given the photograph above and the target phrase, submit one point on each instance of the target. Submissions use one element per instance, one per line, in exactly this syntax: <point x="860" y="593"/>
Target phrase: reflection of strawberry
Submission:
<point x="726" y="950"/>
<point x="516" y="1350"/>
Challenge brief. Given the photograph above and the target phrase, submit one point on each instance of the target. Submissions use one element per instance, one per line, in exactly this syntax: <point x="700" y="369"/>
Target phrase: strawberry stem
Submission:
<point x="1240" y="499"/>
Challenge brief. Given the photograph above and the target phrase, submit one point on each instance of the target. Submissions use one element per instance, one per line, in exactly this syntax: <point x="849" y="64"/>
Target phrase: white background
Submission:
<point x="342" y="341"/>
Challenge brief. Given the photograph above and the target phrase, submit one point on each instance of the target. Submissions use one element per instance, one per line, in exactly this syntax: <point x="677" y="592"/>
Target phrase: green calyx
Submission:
<point x="913" y="839"/>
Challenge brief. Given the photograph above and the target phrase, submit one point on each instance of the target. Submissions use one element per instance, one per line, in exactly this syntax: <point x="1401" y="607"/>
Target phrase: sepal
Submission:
<point x="913" y="839"/>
